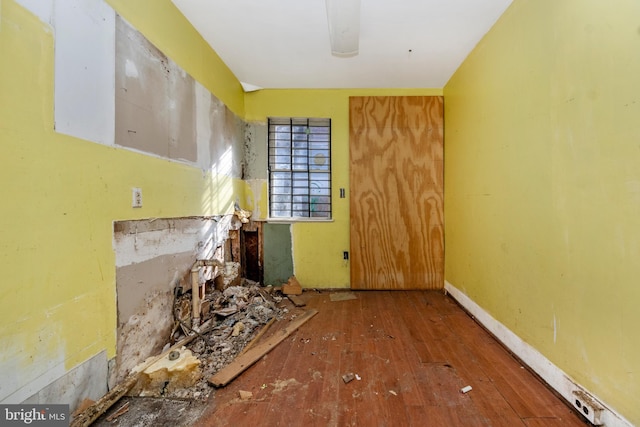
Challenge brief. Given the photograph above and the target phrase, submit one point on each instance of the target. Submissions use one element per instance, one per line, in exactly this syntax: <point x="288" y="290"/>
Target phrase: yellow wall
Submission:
<point x="542" y="186"/>
<point x="60" y="196"/>
<point x="318" y="247"/>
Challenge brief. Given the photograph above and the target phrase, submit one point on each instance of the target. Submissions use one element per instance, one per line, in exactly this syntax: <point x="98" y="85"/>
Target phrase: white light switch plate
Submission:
<point x="136" y="197"/>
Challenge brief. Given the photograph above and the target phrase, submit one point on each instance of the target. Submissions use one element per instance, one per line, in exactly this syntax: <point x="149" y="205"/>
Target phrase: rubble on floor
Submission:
<point x="247" y="359"/>
<point x="231" y="317"/>
<point x="153" y="411"/>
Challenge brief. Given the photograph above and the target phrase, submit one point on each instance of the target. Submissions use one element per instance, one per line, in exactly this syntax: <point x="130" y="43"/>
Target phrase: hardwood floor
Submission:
<point x="412" y="351"/>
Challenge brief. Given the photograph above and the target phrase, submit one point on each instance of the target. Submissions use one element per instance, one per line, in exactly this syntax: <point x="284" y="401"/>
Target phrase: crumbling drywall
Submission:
<point x="153" y="257"/>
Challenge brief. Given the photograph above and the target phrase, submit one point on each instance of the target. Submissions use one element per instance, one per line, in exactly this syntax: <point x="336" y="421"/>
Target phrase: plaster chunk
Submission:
<point x="167" y="375"/>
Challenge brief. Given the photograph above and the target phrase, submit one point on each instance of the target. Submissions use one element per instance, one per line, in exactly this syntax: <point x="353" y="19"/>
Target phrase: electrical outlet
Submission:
<point x="587" y="406"/>
<point x="136" y="197"/>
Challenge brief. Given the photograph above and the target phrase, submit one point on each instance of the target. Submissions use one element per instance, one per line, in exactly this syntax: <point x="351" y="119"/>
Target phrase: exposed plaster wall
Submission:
<point x="153" y="257"/>
<point x="255" y="170"/>
<point x="155" y="99"/>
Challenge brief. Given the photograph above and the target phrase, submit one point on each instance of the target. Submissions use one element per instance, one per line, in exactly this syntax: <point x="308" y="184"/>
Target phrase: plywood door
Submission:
<point x="396" y="197"/>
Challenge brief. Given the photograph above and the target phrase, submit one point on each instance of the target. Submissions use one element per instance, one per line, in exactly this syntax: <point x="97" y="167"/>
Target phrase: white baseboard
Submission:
<point x="550" y="373"/>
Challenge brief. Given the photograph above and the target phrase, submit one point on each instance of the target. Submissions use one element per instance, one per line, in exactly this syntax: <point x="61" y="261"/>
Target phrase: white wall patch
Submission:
<point x="85" y="69"/>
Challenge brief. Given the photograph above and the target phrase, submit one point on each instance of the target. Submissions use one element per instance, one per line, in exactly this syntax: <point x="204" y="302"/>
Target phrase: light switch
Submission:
<point x="136" y="197"/>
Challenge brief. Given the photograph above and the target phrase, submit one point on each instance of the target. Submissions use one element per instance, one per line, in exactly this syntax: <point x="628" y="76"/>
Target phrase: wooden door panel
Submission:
<point x="396" y="197"/>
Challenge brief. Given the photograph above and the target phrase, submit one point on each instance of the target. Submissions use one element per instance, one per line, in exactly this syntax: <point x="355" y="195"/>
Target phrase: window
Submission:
<point x="299" y="168"/>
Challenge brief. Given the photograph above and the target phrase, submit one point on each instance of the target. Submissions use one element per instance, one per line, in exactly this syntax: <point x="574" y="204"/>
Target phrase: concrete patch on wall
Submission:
<point x="86" y="381"/>
<point x="153" y="257"/>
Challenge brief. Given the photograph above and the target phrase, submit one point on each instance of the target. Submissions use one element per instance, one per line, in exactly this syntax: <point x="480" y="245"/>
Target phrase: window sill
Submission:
<point x="292" y="220"/>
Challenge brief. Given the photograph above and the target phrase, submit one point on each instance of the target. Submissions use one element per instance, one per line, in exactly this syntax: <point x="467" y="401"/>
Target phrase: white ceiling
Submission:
<point x="285" y="43"/>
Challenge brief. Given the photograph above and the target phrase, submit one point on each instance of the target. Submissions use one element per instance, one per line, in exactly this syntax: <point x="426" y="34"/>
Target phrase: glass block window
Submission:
<point x="299" y="168"/>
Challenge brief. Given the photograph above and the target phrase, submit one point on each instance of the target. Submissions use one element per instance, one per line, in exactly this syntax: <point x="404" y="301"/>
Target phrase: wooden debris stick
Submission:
<point x="241" y="363"/>
<point x="296" y="300"/>
<point x="89" y="415"/>
<point x="122" y="410"/>
<point x="257" y="337"/>
<point x="92" y="413"/>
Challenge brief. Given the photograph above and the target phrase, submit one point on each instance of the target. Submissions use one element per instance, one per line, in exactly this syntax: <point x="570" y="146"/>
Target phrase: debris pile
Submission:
<point x="232" y="317"/>
<point x="213" y="350"/>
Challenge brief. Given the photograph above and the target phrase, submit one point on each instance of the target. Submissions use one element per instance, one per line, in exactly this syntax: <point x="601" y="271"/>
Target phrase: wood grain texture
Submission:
<point x="396" y="179"/>
<point x="382" y="336"/>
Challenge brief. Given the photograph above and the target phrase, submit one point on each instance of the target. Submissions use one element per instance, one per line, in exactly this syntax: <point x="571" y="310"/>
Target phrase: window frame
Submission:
<point x="295" y="201"/>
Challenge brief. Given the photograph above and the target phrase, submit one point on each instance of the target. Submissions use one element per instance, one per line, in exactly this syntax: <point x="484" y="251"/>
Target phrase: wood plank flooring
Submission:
<point x="412" y="350"/>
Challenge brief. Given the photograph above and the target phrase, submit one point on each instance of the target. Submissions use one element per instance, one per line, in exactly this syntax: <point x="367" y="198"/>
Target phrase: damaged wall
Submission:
<point x="153" y="257"/>
<point x="256" y="173"/>
<point x="64" y="193"/>
<point x="162" y="110"/>
<point x="155" y="99"/>
<point x="183" y="45"/>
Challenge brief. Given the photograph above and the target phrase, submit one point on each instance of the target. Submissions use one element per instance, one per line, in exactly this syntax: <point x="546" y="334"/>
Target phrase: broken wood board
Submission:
<point x="244" y="361"/>
<point x="296" y="300"/>
<point x="342" y="296"/>
<point x="89" y="415"/>
<point x="292" y="287"/>
<point x="257" y="337"/>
